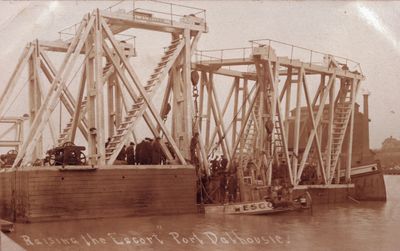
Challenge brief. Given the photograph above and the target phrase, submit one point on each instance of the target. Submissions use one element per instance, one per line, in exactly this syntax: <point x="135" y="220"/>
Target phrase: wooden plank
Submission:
<point x="104" y="213"/>
<point x="42" y="195"/>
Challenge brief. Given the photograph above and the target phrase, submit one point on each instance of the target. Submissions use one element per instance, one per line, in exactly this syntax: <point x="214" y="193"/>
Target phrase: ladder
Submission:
<point x="63" y="137"/>
<point x="277" y="141"/>
<point x="119" y="139"/>
<point x="341" y="118"/>
<point x="247" y="149"/>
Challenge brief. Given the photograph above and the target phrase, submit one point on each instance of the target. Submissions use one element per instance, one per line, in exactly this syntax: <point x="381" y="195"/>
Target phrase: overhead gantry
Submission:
<point x="100" y="108"/>
<point x="286" y="114"/>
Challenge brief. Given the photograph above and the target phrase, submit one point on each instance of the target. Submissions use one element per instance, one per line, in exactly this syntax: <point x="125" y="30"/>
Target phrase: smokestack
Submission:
<point x="366" y="122"/>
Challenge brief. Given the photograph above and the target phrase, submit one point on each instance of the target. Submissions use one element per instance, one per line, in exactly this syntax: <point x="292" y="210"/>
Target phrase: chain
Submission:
<point x="195" y="94"/>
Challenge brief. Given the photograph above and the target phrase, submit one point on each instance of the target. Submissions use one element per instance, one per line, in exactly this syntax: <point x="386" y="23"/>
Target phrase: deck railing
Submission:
<point x="280" y="49"/>
<point x="223" y="54"/>
<point x="305" y="55"/>
<point x="168" y="12"/>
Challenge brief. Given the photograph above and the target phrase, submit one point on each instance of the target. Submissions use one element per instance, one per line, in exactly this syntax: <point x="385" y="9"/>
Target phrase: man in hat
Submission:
<point x="157" y="153"/>
<point x="130" y="154"/>
<point x="224" y="163"/>
<point x="139" y="153"/>
<point x="147" y="151"/>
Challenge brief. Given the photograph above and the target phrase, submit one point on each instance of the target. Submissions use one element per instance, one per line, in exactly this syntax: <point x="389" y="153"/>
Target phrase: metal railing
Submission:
<point x="223" y="54"/>
<point x="68" y="32"/>
<point x="164" y="11"/>
<point x="312" y="57"/>
<point x="306" y="55"/>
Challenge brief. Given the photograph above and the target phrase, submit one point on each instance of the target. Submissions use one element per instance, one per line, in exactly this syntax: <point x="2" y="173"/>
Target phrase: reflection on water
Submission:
<point x="365" y="226"/>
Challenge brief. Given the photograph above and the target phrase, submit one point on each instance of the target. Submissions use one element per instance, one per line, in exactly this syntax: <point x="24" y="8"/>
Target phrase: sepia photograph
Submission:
<point x="199" y="125"/>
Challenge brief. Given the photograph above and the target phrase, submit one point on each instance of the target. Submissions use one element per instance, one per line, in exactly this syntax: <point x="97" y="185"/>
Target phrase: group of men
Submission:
<point x="222" y="185"/>
<point x="147" y="152"/>
<point x="218" y="165"/>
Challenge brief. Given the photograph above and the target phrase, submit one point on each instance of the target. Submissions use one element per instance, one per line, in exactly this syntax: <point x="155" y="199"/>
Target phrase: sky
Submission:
<point x="365" y="31"/>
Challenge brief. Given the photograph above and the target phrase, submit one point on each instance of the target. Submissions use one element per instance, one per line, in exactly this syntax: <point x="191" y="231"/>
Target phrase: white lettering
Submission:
<point x="175" y="235"/>
<point x="135" y="240"/>
<point x="156" y="237"/>
<point x="230" y="237"/>
<point x="250" y="240"/>
<point x="114" y="239"/>
<point x="27" y="240"/>
<point x="224" y="240"/>
<point x="279" y="239"/>
<point x="37" y="242"/>
<point x="212" y="237"/>
<point x="243" y="241"/>
<point x="127" y="240"/>
<point x="84" y="240"/>
<point x="265" y="240"/>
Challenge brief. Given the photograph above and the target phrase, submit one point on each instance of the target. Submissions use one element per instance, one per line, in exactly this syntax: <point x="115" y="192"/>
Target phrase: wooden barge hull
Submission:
<point x="47" y="194"/>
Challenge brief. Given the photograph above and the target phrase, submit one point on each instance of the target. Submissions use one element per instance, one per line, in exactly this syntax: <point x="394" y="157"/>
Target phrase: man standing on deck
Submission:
<point x="222" y="186"/>
<point x="193" y="148"/>
<point x="122" y="154"/>
<point x="139" y="153"/>
<point x="157" y="153"/>
<point x="108" y="142"/>
<point x="224" y="163"/>
<point x="147" y="151"/>
<point x="130" y="154"/>
<point x="215" y="165"/>
<point x="232" y="188"/>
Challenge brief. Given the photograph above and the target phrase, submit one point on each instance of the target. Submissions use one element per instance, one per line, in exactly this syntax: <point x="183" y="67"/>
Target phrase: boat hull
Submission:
<point x="255" y="208"/>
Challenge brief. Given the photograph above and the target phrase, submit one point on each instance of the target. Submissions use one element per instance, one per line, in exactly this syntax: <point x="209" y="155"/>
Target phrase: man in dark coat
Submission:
<point x="222" y="186"/>
<point x="193" y="148"/>
<point x="147" y="151"/>
<point x="122" y="154"/>
<point x="215" y="165"/>
<point x="130" y="154"/>
<point x="224" y="163"/>
<point x="108" y="142"/>
<point x="232" y="188"/>
<point x="139" y="153"/>
<point x="157" y="153"/>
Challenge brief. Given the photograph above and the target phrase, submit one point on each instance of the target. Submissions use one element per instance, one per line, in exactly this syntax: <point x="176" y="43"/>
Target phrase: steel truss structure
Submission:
<point x="261" y="123"/>
<point x="106" y="69"/>
<point x="265" y="129"/>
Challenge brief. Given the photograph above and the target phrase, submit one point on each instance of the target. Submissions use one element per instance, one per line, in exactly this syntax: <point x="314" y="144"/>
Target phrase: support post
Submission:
<point x="296" y="138"/>
<point x="354" y="87"/>
<point x="100" y="130"/>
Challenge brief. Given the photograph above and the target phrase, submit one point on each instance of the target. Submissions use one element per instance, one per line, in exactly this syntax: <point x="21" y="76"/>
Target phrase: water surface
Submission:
<point x="349" y="226"/>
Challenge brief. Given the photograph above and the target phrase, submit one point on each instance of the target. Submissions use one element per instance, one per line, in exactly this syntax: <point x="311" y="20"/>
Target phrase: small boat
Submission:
<point x="261" y="207"/>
